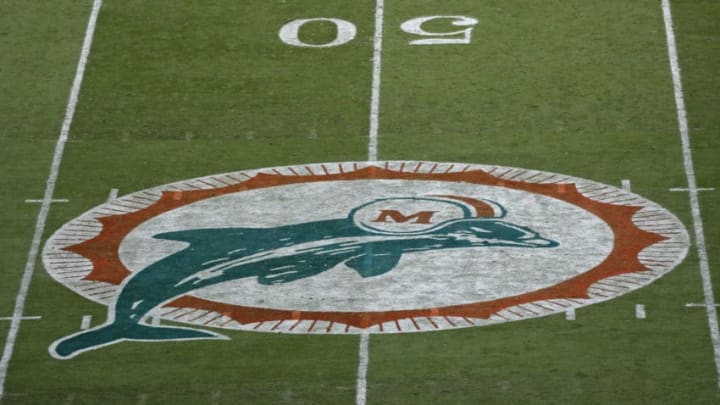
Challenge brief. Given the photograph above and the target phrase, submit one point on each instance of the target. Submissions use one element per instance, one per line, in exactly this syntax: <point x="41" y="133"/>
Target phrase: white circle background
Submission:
<point x="420" y="280"/>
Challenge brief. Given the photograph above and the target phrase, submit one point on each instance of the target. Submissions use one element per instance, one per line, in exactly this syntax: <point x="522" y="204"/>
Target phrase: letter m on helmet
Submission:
<point x="421" y="217"/>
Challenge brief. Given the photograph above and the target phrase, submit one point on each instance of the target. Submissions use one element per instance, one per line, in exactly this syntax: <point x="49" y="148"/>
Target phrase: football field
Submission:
<point x="369" y="201"/>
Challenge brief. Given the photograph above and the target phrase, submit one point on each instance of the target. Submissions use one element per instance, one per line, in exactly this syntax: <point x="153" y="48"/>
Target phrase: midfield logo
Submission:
<point x="344" y="248"/>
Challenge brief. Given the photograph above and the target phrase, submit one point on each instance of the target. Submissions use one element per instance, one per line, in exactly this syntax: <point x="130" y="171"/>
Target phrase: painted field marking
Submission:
<point x="48" y="198"/>
<point x="570" y="314"/>
<point x="290" y="32"/>
<point x="693" y="304"/>
<point x="56" y="200"/>
<point x="375" y="96"/>
<point x="680" y="189"/>
<point x="692" y="187"/>
<point x="640" y="311"/>
<point x="155" y="320"/>
<point x="113" y="194"/>
<point x="415" y="27"/>
<point x="85" y="323"/>
<point x="364" y="357"/>
<point x="22" y="318"/>
<point x="626" y="185"/>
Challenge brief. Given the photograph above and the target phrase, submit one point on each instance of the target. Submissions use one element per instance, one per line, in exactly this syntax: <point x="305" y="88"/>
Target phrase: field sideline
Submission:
<point x="101" y="100"/>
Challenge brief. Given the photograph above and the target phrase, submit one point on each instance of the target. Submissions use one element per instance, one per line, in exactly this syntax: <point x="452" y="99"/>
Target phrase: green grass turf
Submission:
<point x="173" y="92"/>
<point x="698" y="32"/>
<point x="26" y="182"/>
<point x="567" y="70"/>
<point x="220" y="71"/>
<point x="590" y="96"/>
<point x="39" y="45"/>
<point x="316" y="369"/>
<point x="254" y="368"/>
<point x="596" y="359"/>
<point x="190" y="131"/>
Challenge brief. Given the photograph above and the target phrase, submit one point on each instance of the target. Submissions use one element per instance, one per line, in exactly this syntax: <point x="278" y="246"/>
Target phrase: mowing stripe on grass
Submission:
<point x="375" y="96"/>
<point x="48" y="198"/>
<point x="692" y="186"/>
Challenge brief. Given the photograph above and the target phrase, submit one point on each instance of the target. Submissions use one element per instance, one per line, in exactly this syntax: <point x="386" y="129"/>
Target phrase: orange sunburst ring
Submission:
<point x="614" y="242"/>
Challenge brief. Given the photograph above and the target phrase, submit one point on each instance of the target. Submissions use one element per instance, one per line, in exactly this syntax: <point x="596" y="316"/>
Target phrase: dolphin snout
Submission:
<point x="497" y="233"/>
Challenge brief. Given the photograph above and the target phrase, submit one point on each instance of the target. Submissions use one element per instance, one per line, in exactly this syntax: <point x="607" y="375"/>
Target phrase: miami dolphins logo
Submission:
<point x="292" y="252"/>
<point x="343" y="249"/>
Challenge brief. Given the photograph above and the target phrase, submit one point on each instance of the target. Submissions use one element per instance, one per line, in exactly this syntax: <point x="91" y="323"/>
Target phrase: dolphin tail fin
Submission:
<point x="107" y="334"/>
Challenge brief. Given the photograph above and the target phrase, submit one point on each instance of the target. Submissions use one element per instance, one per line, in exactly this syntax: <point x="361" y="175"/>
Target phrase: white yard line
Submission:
<point x="640" y="312"/>
<point x="36" y="201"/>
<point x="113" y="194"/>
<point x="363" y="354"/>
<point x="375" y="96"/>
<point x="626" y="185"/>
<point x="24" y="318"/>
<point x="48" y="198"/>
<point x="692" y="187"/>
<point x="685" y="190"/>
<point x="85" y="323"/>
<point x="364" y="357"/>
<point x="692" y="305"/>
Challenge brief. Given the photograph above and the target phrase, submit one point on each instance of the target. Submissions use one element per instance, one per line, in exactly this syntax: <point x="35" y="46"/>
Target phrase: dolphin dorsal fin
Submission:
<point x="374" y="262"/>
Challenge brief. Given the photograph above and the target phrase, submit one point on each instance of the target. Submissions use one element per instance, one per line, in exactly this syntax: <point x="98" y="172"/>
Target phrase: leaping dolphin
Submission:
<point x="274" y="256"/>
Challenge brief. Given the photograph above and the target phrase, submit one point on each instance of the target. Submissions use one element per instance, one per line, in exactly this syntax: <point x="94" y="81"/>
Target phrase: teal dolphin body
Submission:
<point x="273" y="256"/>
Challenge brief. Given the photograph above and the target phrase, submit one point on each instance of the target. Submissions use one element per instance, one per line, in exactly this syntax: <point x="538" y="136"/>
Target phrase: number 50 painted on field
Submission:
<point x="346" y="31"/>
